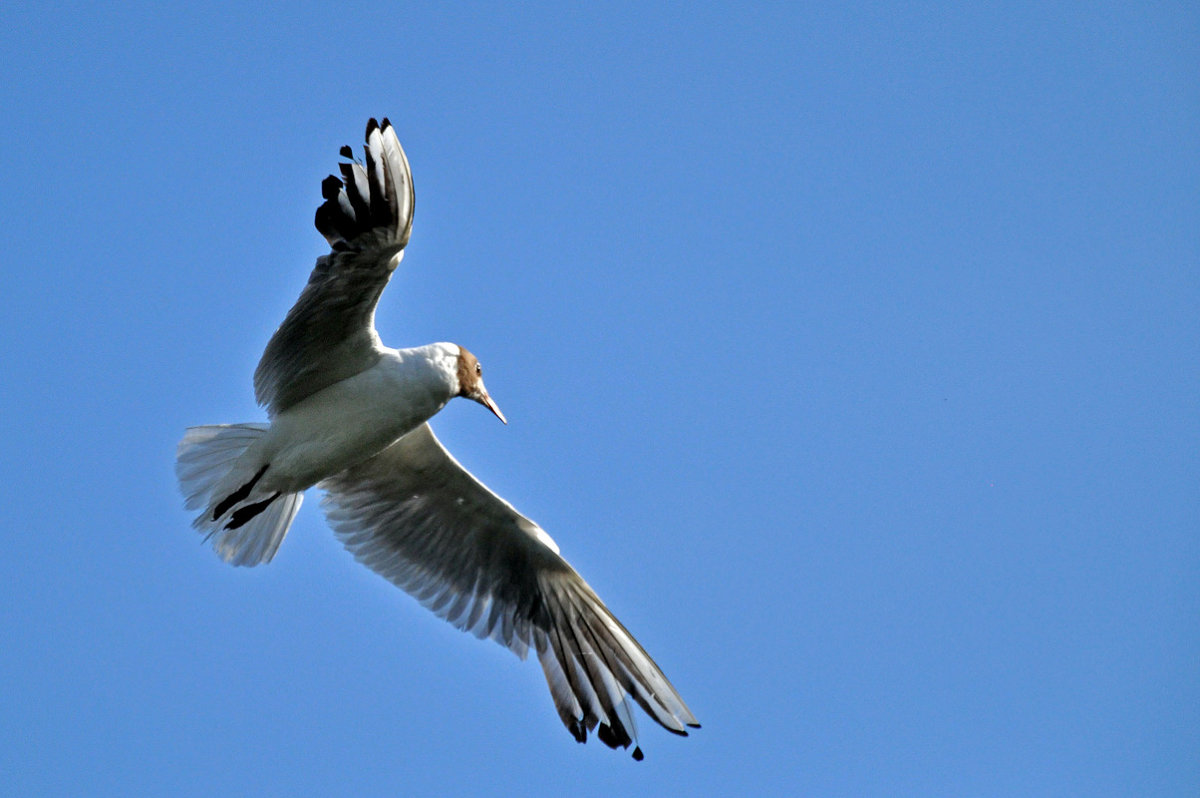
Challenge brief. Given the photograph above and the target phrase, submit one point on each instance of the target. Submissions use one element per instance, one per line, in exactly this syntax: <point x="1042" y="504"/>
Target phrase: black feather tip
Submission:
<point x="330" y="187"/>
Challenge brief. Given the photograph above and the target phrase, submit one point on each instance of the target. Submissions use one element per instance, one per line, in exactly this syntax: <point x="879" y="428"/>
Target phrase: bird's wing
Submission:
<point x="417" y="517"/>
<point x="329" y="334"/>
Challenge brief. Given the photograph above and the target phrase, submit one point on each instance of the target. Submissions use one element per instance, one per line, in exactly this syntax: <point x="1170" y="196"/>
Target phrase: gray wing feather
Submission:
<point x="418" y="518"/>
<point x="329" y="334"/>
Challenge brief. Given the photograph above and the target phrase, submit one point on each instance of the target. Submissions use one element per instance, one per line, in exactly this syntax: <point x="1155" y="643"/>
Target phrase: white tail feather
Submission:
<point x="205" y="459"/>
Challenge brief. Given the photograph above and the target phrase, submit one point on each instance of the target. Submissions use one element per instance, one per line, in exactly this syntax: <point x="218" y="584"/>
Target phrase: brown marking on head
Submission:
<point x="470" y="382"/>
<point x="470" y="373"/>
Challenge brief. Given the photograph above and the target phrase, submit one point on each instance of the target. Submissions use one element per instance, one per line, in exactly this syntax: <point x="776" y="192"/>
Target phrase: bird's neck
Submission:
<point x="433" y="365"/>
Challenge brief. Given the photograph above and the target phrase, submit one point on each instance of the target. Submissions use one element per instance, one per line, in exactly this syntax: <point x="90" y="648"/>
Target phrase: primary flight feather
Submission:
<point x="349" y="415"/>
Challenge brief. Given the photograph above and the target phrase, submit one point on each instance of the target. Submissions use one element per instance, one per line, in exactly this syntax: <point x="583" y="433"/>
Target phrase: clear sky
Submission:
<point x="851" y="354"/>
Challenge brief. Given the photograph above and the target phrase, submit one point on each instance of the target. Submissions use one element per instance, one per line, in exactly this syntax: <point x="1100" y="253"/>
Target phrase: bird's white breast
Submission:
<point x="354" y="419"/>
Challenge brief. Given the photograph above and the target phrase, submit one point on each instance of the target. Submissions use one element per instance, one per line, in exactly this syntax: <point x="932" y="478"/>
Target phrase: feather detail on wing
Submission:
<point x="418" y="518"/>
<point x="329" y="334"/>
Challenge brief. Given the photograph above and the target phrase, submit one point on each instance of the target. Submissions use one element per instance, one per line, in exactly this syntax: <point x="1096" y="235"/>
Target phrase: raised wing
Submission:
<point x="329" y="334"/>
<point x="417" y="517"/>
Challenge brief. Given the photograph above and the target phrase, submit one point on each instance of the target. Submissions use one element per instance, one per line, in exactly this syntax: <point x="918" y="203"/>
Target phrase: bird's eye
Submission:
<point x="478" y="370"/>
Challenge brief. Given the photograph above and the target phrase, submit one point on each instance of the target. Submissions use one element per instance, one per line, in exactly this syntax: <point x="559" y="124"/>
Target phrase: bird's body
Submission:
<point x="356" y="418"/>
<point x="349" y="414"/>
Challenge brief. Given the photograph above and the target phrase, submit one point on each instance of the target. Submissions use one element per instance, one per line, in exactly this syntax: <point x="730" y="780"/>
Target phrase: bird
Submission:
<point x="350" y="415"/>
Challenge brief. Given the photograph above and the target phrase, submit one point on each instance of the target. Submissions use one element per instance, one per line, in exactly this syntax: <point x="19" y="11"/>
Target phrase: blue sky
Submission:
<point x="851" y="354"/>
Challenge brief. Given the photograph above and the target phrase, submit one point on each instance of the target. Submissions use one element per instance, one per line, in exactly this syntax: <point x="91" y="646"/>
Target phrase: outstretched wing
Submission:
<point x="329" y="334"/>
<point x="417" y="517"/>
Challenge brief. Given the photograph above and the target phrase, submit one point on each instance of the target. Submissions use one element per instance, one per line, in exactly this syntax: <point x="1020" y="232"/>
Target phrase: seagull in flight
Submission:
<point x="350" y="415"/>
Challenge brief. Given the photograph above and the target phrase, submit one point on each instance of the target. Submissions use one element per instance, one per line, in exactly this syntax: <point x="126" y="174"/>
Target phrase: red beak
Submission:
<point x="487" y="402"/>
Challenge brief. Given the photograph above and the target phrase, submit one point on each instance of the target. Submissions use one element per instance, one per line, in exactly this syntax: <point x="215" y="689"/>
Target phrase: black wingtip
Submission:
<point x="330" y="187"/>
<point x="386" y="123"/>
<point x="606" y="736"/>
<point x="638" y="756"/>
<point x="346" y="152"/>
<point x="613" y="735"/>
<point x="372" y="126"/>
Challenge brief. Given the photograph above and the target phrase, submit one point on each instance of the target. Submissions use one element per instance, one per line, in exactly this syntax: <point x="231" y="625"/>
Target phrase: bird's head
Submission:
<point x="470" y="382"/>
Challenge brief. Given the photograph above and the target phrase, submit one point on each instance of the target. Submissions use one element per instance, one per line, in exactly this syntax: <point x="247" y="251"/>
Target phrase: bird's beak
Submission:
<point x="487" y="402"/>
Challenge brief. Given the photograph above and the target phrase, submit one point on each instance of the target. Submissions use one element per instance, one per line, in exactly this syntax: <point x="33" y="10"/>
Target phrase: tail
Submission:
<point x="245" y="526"/>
